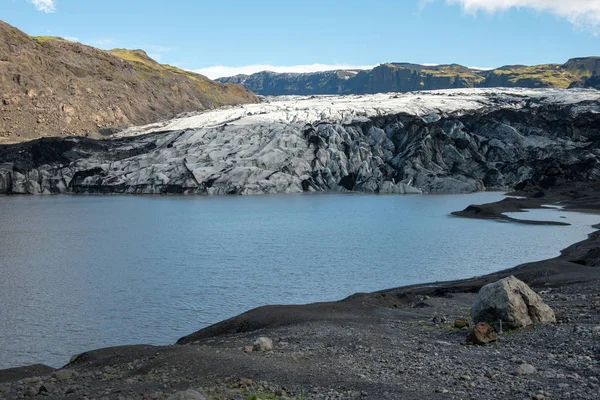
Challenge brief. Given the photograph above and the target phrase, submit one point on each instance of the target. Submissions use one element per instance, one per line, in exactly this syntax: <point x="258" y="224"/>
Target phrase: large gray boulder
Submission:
<point x="511" y="301"/>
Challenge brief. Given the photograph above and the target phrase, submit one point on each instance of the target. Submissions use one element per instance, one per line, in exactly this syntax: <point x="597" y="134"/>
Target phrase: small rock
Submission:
<point x="248" y="349"/>
<point x="187" y="395"/>
<point x="263" y="344"/>
<point x="482" y="333"/>
<point x="71" y="389"/>
<point x="30" y="391"/>
<point x="31" y="380"/>
<point x="491" y="376"/>
<point x="109" y="370"/>
<point x="64" y="374"/>
<point x="245" y="382"/>
<point x="562" y="316"/>
<point x="461" y="323"/>
<point x="526" y="369"/>
<point x="586" y="359"/>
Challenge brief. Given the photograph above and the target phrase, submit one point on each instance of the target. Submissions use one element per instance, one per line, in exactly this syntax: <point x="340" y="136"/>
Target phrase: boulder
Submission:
<point x="187" y="395"/>
<point x="482" y="333"/>
<point x="511" y="301"/>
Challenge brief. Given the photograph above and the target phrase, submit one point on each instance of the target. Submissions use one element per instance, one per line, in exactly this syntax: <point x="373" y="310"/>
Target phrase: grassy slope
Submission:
<point x="545" y="75"/>
<point x="217" y="93"/>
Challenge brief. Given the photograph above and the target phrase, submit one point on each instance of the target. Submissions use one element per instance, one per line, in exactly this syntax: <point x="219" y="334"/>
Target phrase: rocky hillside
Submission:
<point x="439" y="141"/>
<point x="401" y="77"/>
<point x="53" y="87"/>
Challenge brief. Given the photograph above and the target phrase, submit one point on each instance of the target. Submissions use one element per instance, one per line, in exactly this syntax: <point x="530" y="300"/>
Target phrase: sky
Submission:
<point x="227" y="37"/>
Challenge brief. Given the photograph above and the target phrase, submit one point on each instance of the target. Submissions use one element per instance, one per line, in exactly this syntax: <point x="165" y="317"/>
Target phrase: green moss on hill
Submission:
<point x="545" y="75"/>
<point x="44" y="39"/>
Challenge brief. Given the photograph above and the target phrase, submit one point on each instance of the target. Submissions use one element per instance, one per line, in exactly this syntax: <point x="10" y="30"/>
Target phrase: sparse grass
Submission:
<point x="545" y="75"/>
<point x="44" y="39"/>
<point x="424" y="325"/>
<point x="136" y="56"/>
<point x="451" y="72"/>
<point x="147" y="70"/>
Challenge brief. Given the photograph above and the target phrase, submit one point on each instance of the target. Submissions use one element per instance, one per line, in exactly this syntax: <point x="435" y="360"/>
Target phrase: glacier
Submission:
<point x="449" y="141"/>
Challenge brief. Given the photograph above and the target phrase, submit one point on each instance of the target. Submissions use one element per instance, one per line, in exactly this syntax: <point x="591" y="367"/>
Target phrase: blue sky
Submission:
<point x="199" y="34"/>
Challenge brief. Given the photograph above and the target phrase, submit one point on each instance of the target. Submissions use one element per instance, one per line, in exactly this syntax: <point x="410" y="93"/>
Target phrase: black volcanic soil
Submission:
<point x="392" y="344"/>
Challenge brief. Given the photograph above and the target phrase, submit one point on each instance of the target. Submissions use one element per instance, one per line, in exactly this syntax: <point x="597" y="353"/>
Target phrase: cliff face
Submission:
<point x="402" y="77"/>
<point x="53" y="87"/>
<point x="453" y="141"/>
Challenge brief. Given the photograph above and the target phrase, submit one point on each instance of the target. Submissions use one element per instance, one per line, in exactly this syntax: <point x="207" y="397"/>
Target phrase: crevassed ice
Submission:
<point x="346" y="109"/>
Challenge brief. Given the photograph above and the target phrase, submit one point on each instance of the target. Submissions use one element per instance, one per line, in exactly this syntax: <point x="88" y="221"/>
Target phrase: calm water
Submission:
<point x="79" y="273"/>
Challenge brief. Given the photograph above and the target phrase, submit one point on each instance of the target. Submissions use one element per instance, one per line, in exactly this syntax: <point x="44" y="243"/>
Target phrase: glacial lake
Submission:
<point x="84" y="272"/>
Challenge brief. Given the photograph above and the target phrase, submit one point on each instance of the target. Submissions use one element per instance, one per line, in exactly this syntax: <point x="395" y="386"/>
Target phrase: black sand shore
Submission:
<point x="392" y="344"/>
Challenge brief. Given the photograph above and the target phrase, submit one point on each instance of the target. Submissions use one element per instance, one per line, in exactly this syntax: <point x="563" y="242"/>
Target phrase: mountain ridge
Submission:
<point x="50" y="86"/>
<point x="407" y="77"/>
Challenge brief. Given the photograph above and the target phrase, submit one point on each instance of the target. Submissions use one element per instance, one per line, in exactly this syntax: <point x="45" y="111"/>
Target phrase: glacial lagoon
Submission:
<point x="84" y="272"/>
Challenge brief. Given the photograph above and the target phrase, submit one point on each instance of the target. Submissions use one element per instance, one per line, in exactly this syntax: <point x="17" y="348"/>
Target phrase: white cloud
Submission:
<point x="581" y="13"/>
<point x="223" y="71"/>
<point x="71" y="38"/>
<point x="46" y="6"/>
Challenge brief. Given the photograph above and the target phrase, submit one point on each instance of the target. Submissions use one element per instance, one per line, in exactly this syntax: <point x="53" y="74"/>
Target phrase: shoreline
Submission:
<point x="575" y="270"/>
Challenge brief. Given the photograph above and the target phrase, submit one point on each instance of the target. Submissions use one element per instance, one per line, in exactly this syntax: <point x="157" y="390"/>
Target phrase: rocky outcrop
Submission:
<point x="53" y="87"/>
<point x="445" y="141"/>
<point x="405" y="77"/>
<point x="513" y="302"/>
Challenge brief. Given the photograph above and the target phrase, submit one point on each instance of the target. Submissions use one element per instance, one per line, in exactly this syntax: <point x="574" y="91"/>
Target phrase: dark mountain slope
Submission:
<point x="53" y="87"/>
